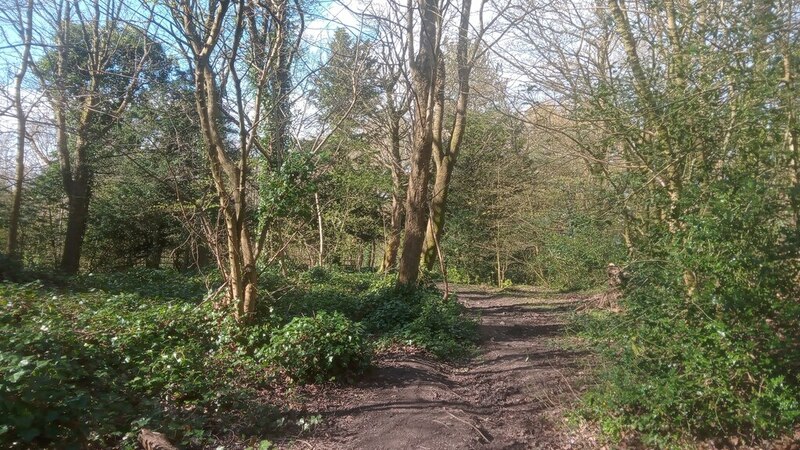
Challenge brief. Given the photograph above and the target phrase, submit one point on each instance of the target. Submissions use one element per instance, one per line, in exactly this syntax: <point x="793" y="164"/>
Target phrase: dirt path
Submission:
<point x="509" y="397"/>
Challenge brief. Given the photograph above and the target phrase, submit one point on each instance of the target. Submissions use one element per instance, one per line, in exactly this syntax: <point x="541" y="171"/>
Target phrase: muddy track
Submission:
<point x="511" y="396"/>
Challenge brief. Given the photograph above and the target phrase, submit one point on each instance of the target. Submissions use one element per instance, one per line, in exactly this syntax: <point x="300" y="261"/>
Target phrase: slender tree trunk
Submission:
<point x="372" y="254"/>
<point x="396" y="219"/>
<point x="280" y="84"/>
<point x="438" y="210"/>
<point x="22" y="119"/>
<point x="497" y="256"/>
<point x="439" y="154"/>
<point x="395" y="226"/>
<point x="319" y="230"/>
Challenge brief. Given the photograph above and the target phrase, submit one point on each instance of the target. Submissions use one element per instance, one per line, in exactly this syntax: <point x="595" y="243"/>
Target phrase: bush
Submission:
<point x="441" y="328"/>
<point x="421" y="317"/>
<point x="390" y="315"/>
<point x="84" y="369"/>
<point x="10" y="269"/>
<point x="720" y="361"/>
<point x="325" y="347"/>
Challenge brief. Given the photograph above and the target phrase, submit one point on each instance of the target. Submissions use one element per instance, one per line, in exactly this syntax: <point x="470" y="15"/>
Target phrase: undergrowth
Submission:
<point x="87" y="363"/>
<point x="715" y="362"/>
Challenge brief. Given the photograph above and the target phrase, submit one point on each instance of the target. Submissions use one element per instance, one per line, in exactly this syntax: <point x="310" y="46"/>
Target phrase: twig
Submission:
<point x="465" y="422"/>
<point x="566" y="381"/>
<point x="214" y="294"/>
<point x="306" y="443"/>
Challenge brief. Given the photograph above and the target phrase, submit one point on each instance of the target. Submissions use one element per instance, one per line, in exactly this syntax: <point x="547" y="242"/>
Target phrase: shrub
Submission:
<point x="83" y="369"/>
<point x="720" y="361"/>
<point x="325" y="347"/>
<point x="421" y="317"/>
<point x="417" y="316"/>
<point x="441" y="328"/>
<point x="10" y="269"/>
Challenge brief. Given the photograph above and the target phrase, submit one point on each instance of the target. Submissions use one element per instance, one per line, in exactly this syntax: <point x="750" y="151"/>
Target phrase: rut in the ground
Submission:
<point x="511" y="396"/>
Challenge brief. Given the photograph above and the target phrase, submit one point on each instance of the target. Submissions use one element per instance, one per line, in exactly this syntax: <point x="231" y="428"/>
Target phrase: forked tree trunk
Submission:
<point x="445" y="155"/>
<point x="241" y="276"/>
<point x="423" y="68"/>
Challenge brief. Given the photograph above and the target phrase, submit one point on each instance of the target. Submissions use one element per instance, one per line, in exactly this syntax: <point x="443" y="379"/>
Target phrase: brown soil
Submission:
<point x="511" y="396"/>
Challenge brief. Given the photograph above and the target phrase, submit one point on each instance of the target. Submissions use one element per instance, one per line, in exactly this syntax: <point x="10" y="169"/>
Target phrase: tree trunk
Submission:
<point x="395" y="230"/>
<point x="436" y="221"/>
<point x="319" y="230"/>
<point x="416" y="209"/>
<point x="423" y="69"/>
<point x="153" y="259"/>
<point x="439" y="155"/>
<point x="242" y="276"/>
<point x="280" y="86"/>
<point x="22" y="119"/>
<point x="396" y="168"/>
<point x="792" y="134"/>
<point x="77" y="217"/>
<point x="446" y="156"/>
<point x="371" y="254"/>
<point x="77" y="180"/>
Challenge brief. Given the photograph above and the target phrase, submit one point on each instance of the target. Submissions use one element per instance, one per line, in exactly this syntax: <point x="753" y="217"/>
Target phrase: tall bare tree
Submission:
<point x="470" y="47"/>
<point x="89" y="78"/>
<point x="236" y="49"/>
<point x="20" y="18"/>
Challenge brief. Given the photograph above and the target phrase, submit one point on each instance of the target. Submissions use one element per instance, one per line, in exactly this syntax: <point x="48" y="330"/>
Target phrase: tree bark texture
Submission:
<point x="423" y="71"/>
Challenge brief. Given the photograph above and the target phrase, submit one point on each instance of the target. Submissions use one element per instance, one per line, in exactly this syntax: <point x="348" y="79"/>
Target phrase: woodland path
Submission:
<point x="510" y="396"/>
